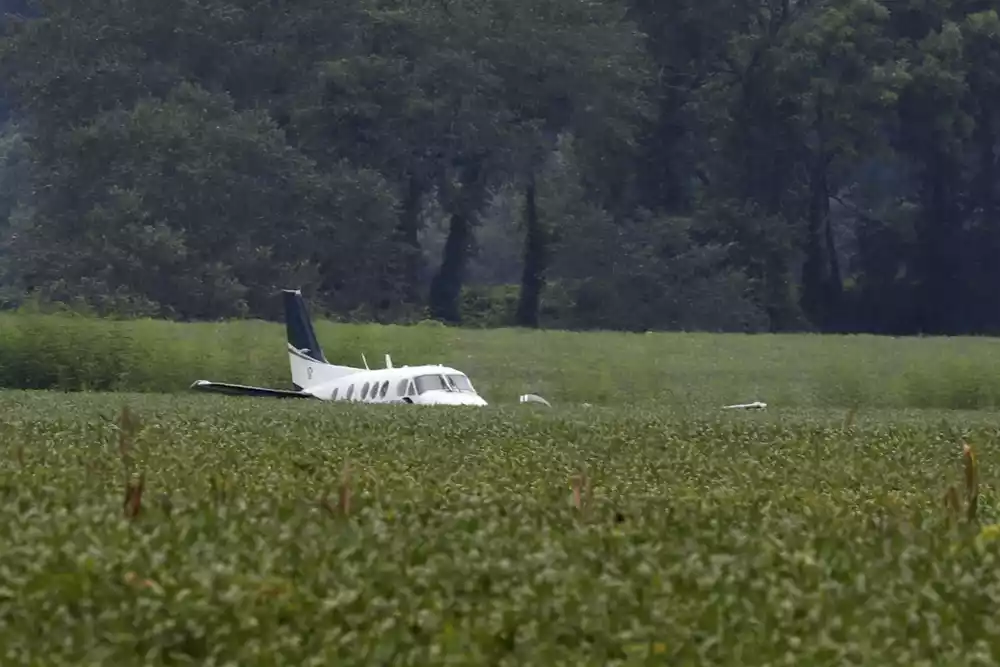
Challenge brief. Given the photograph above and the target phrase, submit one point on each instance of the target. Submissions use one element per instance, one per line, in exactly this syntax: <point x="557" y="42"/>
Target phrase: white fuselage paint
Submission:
<point x="430" y="384"/>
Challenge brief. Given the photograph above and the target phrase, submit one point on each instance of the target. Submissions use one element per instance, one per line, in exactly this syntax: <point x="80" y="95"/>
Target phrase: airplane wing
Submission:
<point x="245" y="390"/>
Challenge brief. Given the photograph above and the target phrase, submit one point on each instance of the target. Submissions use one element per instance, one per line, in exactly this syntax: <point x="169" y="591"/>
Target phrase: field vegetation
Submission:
<point x="207" y="530"/>
<point x="633" y="523"/>
<point x="51" y="351"/>
<point x="786" y="166"/>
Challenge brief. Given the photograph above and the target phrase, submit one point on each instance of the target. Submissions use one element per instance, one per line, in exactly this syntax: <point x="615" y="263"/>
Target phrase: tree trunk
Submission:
<point x="987" y="243"/>
<point x="662" y="175"/>
<point x="821" y="282"/>
<point x="835" y="282"/>
<point x="446" y="286"/>
<point x="409" y="228"/>
<point x="535" y="261"/>
<point x="940" y="302"/>
<point x="766" y="164"/>
<point x="986" y="137"/>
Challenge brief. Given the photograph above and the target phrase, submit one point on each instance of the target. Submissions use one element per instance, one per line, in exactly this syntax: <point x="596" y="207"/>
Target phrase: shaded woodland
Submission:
<point x="737" y="165"/>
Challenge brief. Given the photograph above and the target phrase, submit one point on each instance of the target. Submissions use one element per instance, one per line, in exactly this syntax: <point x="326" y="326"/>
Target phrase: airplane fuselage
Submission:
<point x="421" y="385"/>
<point x="313" y="376"/>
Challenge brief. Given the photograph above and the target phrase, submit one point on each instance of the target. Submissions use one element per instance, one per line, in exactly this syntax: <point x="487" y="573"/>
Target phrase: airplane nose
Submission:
<point x="450" y="398"/>
<point x="468" y="399"/>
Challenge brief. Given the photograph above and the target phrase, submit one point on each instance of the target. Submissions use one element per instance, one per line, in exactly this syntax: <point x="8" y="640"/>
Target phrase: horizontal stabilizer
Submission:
<point x="245" y="390"/>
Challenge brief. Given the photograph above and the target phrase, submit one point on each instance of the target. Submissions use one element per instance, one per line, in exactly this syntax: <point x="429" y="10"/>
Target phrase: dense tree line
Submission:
<point x="633" y="164"/>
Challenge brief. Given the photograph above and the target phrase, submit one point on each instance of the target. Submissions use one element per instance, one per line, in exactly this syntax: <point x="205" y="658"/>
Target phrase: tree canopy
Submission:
<point x="757" y="165"/>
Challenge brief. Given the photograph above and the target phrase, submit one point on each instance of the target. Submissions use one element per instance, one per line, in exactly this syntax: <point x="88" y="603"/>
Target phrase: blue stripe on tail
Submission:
<point x="299" y="327"/>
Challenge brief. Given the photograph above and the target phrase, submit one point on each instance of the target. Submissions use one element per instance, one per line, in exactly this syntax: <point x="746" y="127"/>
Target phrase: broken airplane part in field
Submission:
<point x="315" y="377"/>
<point x="756" y="405"/>
<point x="533" y="398"/>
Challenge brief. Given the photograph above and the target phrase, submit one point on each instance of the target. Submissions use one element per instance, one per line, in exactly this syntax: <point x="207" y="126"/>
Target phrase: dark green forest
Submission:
<point x="721" y="165"/>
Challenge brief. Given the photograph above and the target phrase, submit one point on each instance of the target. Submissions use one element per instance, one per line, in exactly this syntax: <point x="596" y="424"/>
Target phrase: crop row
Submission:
<point x="266" y="533"/>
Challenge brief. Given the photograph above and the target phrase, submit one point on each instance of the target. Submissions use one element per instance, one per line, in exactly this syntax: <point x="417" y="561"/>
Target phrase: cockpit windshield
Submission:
<point x="461" y="383"/>
<point x="452" y="382"/>
<point x="427" y="383"/>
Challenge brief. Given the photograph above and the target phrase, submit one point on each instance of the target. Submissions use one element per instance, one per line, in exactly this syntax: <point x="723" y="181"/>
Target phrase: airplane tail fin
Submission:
<point x="298" y="326"/>
<point x="309" y="365"/>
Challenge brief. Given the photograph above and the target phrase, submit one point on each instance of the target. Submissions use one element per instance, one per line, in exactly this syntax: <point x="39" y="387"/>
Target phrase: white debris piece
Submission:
<point x="533" y="398"/>
<point x="756" y="405"/>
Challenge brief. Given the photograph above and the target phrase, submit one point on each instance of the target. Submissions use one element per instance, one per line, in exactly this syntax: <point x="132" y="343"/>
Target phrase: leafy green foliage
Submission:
<point x="157" y="209"/>
<point x="778" y="165"/>
<point x="277" y="533"/>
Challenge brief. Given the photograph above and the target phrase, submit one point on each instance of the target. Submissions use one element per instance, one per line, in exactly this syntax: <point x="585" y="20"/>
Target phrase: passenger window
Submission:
<point x="350" y="392"/>
<point x="401" y="389"/>
<point x="364" y="391"/>
<point x="385" y="388"/>
<point x="335" y="393"/>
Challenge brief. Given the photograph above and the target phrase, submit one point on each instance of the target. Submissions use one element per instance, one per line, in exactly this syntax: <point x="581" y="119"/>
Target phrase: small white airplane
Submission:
<point x="315" y="377"/>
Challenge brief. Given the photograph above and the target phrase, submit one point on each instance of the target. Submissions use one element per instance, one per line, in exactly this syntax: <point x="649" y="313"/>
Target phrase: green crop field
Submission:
<point x="656" y="369"/>
<point x="308" y="533"/>
<point x="632" y="523"/>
